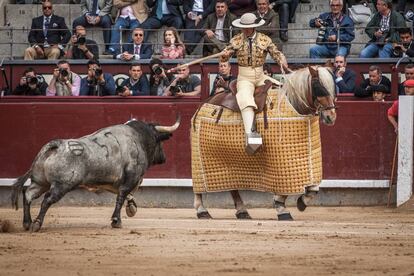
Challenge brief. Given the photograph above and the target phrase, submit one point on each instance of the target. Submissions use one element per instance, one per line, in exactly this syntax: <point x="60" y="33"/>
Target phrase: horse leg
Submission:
<point x="202" y="212"/>
<point x="303" y="200"/>
<point x="239" y="205"/>
<point x="282" y="212"/>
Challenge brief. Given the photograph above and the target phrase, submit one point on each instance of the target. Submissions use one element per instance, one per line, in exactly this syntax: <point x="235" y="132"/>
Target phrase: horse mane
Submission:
<point x="297" y="86"/>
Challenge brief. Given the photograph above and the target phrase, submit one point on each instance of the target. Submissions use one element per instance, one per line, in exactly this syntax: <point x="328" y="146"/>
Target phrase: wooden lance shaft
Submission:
<point x="195" y="61"/>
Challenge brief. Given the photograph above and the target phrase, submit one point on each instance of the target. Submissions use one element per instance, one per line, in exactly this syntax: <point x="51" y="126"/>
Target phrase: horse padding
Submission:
<point x="289" y="160"/>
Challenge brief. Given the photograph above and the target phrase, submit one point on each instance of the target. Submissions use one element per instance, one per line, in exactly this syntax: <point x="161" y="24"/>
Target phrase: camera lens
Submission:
<point x="98" y="72"/>
<point x="81" y="40"/>
<point x="158" y="70"/>
<point x="63" y="72"/>
<point x="31" y="80"/>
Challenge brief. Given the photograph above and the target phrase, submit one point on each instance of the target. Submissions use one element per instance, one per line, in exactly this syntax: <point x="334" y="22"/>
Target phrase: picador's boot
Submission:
<point x="253" y="139"/>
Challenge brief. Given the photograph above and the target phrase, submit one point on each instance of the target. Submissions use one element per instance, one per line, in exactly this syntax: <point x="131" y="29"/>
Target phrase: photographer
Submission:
<point x="159" y="78"/>
<point x="223" y="78"/>
<point x="81" y="47"/>
<point x="136" y="84"/>
<point x="184" y="84"/>
<point x="97" y="83"/>
<point x="31" y="84"/>
<point x="336" y="31"/>
<point x="405" y="46"/>
<point x="64" y="82"/>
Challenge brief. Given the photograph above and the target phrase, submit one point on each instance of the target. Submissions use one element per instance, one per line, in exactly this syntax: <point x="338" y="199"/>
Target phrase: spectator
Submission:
<point x="195" y="13"/>
<point x="405" y="47"/>
<point x="378" y="92"/>
<point x="286" y="10"/>
<point x="409" y="75"/>
<point x="160" y="79"/>
<point x="97" y="83"/>
<point x="81" y="47"/>
<point x="269" y="16"/>
<point x="223" y="78"/>
<point x="136" y="84"/>
<point x="240" y="7"/>
<point x="64" y="82"/>
<point x="47" y="35"/>
<point x="31" y="84"/>
<point x="131" y="14"/>
<point x="136" y="50"/>
<point x="217" y="29"/>
<point x="383" y="31"/>
<point x="343" y="76"/>
<point x="184" y="84"/>
<point x="331" y="24"/>
<point x="173" y="47"/>
<point x="375" y="78"/>
<point x="96" y="13"/>
<point x="393" y="110"/>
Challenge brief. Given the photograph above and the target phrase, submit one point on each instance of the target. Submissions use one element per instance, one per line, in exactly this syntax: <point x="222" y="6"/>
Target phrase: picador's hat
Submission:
<point x="248" y="20"/>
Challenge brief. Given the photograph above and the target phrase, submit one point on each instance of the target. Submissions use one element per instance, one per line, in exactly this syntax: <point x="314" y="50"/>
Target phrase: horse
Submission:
<point x="311" y="92"/>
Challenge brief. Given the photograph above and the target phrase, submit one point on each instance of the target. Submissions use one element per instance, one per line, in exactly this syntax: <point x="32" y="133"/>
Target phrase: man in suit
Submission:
<point x="269" y="16"/>
<point x="96" y="13"/>
<point x="47" y="35"/>
<point x="195" y="13"/>
<point x="217" y="29"/>
<point x="344" y="77"/>
<point x="375" y="78"/>
<point x="136" y="50"/>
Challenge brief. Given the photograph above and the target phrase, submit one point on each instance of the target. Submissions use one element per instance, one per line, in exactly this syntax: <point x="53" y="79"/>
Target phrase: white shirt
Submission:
<point x="219" y="29"/>
<point x="165" y="9"/>
<point x="127" y="12"/>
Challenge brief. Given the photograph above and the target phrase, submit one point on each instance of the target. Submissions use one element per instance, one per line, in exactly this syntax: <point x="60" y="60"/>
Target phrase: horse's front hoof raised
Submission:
<point x="130" y="210"/>
<point x="35" y="226"/>
<point x="300" y="204"/>
<point x="243" y="215"/>
<point x="116" y="223"/>
<point x="285" y="217"/>
<point x="204" y="215"/>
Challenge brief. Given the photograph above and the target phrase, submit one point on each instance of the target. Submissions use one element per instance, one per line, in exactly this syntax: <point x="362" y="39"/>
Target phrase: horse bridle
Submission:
<point x="318" y="90"/>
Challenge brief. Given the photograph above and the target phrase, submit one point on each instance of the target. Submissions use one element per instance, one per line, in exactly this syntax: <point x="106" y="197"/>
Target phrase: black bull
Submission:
<point x="113" y="158"/>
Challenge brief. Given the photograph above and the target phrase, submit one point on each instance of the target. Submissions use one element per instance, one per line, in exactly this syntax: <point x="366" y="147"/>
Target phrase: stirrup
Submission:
<point x="254" y="142"/>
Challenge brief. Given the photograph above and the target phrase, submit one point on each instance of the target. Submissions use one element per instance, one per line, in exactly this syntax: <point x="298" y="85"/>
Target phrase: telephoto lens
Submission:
<point x="63" y="72"/>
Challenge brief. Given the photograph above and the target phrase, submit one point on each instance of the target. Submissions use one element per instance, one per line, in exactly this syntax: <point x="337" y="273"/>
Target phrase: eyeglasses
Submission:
<point x="47" y="7"/>
<point x="336" y="5"/>
<point x="138" y="34"/>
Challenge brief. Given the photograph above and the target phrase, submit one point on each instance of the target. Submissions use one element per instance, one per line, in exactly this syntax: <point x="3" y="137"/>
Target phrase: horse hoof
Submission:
<point x="204" y="215"/>
<point x="35" y="226"/>
<point x="130" y="209"/>
<point x="116" y="223"/>
<point x="285" y="216"/>
<point x="300" y="204"/>
<point x="243" y="215"/>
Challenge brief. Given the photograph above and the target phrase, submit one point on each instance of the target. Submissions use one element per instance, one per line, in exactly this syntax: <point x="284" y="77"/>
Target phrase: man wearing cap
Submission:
<point x="378" y="92"/>
<point x="251" y="48"/>
<point x="393" y="110"/>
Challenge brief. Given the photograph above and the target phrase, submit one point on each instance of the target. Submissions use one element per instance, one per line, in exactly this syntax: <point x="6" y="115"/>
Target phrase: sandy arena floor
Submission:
<point x="321" y="241"/>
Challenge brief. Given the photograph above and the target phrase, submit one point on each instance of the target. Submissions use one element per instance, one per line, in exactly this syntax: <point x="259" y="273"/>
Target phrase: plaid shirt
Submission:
<point x="385" y="23"/>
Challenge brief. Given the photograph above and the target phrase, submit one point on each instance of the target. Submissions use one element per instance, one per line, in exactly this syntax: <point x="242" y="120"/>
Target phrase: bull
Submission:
<point x="113" y="158"/>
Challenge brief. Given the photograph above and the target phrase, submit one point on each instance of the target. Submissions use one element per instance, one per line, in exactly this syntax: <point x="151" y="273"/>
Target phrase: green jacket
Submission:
<point x="397" y="21"/>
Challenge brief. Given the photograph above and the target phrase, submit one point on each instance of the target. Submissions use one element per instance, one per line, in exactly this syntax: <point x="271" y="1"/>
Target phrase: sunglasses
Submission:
<point x="336" y="5"/>
<point x="47" y="7"/>
<point x="138" y="34"/>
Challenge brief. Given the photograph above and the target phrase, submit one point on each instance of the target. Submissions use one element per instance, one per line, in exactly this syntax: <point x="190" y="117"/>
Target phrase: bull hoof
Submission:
<point x="243" y="215"/>
<point x="285" y="216"/>
<point x="35" y="226"/>
<point x="116" y="223"/>
<point x="131" y="210"/>
<point x="26" y="225"/>
<point x="300" y="204"/>
<point x="204" y="215"/>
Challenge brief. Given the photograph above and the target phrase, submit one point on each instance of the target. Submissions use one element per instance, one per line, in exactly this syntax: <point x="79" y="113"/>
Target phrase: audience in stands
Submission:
<point x="48" y="35"/>
<point x="160" y="79"/>
<point x="64" y="82"/>
<point x="269" y="16"/>
<point x="97" y="83"/>
<point x="184" y="84"/>
<point x="137" y="83"/>
<point x="336" y="31"/>
<point x="409" y="75"/>
<point x="195" y="14"/>
<point x="31" y="84"/>
<point x="137" y="49"/>
<point x="375" y="78"/>
<point x="218" y="29"/>
<point x="81" y="47"/>
<point x="173" y="47"/>
<point x="383" y="31"/>
<point x="130" y="15"/>
<point x="286" y="10"/>
<point x="393" y="110"/>
<point x="96" y="13"/>
<point x="344" y="77"/>
<point x="378" y="92"/>
<point x="240" y="7"/>
<point x="223" y="78"/>
<point x="405" y="46"/>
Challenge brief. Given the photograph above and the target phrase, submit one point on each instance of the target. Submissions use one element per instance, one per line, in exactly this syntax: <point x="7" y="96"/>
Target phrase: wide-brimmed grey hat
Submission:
<point x="248" y="20"/>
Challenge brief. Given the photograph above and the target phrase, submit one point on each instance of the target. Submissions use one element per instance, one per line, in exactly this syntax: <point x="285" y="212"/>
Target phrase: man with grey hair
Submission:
<point x="269" y="16"/>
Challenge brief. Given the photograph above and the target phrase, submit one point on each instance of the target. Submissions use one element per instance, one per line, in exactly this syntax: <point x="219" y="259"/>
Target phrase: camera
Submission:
<point x="63" y="72"/>
<point x="321" y="32"/>
<point x="32" y="80"/>
<point x="81" y="40"/>
<point x="225" y="78"/>
<point x="158" y="70"/>
<point x="98" y="72"/>
<point x="176" y="89"/>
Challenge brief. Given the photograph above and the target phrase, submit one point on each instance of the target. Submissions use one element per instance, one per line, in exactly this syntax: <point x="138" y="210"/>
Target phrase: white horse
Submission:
<point x="311" y="91"/>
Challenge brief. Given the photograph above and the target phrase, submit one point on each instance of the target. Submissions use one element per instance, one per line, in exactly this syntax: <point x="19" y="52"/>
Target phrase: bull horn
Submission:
<point x="170" y="129"/>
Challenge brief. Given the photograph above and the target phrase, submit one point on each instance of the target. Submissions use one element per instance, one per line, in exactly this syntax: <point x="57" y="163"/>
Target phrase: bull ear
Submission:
<point x="313" y="72"/>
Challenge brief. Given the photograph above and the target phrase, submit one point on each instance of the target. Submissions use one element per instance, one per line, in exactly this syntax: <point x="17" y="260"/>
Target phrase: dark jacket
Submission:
<point x="145" y="52"/>
<point x="347" y="84"/>
<point x="24" y="90"/>
<point x="92" y="47"/>
<point x="271" y="24"/>
<point x="173" y="7"/>
<point x="211" y="24"/>
<point x="346" y="33"/>
<point x="362" y="90"/>
<point x="141" y="88"/>
<point x="92" y="89"/>
<point x="58" y="32"/>
<point x="208" y="7"/>
<point x="397" y="21"/>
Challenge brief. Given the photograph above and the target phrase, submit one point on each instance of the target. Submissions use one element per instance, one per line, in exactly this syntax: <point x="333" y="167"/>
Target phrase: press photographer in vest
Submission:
<point x="64" y="82"/>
